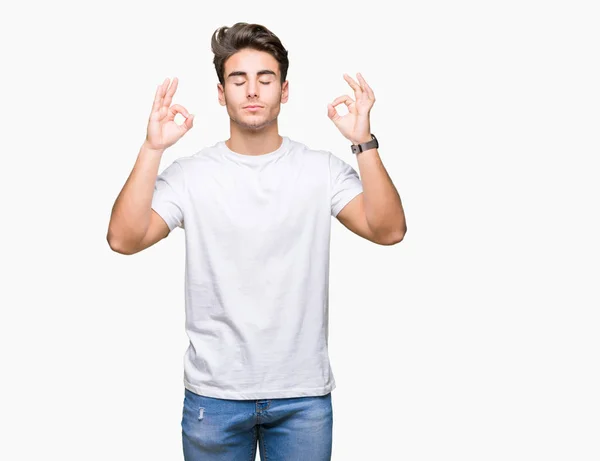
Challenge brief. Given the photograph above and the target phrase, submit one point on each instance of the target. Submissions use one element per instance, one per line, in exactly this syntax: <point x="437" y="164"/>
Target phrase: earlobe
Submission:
<point x="285" y="95"/>
<point x="220" y="94"/>
<point x="285" y="92"/>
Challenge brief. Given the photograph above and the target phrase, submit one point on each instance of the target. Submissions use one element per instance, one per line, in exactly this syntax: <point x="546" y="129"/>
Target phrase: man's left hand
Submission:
<point x="355" y="125"/>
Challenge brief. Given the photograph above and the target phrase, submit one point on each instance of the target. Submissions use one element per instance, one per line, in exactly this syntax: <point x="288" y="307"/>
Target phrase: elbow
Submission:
<point x="390" y="241"/>
<point x="394" y="238"/>
<point x="119" y="243"/>
<point x="117" y="247"/>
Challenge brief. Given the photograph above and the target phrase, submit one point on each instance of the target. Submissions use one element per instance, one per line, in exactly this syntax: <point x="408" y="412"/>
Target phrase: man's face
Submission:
<point x="252" y="78"/>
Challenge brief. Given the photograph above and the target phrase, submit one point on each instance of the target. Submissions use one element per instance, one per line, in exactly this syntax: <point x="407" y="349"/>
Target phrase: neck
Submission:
<point x="254" y="142"/>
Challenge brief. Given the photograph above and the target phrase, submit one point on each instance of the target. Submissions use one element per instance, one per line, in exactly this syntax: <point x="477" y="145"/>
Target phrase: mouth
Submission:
<point x="253" y="107"/>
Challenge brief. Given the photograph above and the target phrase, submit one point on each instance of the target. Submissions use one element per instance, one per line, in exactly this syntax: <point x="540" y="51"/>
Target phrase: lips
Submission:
<point x="252" y="107"/>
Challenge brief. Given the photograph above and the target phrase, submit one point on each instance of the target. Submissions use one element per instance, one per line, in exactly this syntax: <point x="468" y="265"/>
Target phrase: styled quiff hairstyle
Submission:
<point x="226" y="41"/>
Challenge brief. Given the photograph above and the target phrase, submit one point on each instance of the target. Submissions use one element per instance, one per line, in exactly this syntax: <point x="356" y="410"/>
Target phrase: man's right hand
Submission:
<point x="162" y="129"/>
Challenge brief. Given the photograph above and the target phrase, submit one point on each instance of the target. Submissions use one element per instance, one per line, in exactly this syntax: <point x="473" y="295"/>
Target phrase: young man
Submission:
<point x="256" y="210"/>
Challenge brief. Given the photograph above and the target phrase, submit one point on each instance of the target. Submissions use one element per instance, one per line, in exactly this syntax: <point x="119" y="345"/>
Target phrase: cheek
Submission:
<point x="273" y="95"/>
<point x="234" y="92"/>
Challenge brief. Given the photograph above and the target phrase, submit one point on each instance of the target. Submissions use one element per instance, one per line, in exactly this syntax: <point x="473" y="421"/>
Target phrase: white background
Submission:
<point x="475" y="338"/>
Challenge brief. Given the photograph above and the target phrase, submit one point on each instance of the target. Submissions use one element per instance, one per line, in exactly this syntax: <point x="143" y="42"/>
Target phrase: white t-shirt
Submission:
<point x="257" y="234"/>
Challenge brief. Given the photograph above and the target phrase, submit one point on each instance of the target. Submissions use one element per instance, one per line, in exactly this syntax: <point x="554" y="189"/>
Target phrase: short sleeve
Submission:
<point x="168" y="194"/>
<point x="345" y="183"/>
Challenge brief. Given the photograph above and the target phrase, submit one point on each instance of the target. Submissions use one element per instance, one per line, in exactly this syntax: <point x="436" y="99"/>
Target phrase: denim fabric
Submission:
<point x="286" y="429"/>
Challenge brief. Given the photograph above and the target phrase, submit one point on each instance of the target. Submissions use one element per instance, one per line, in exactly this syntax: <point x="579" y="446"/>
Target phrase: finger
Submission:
<point x="158" y="97"/>
<point x="187" y="124"/>
<point x="332" y="113"/>
<point x="355" y="86"/>
<point x="343" y="99"/>
<point x="169" y="96"/>
<point x="177" y="109"/>
<point x="366" y="86"/>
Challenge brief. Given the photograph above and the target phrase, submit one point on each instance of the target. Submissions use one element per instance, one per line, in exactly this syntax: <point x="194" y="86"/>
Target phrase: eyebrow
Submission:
<point x="260" y="72"/>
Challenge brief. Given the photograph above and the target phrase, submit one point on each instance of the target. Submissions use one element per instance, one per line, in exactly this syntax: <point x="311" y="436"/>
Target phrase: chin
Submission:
<point x="253" y="123"/>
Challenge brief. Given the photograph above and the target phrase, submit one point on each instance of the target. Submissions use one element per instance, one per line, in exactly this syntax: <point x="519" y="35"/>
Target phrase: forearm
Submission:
<point x="130" y="216"/>
<point x="383" y="206"/>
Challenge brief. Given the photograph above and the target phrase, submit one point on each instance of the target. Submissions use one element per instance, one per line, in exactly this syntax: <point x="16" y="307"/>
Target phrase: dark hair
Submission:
<point x="226" y="41"/>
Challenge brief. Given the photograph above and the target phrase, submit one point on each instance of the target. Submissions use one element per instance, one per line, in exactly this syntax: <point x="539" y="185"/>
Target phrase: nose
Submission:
<point x="252" y="89"/>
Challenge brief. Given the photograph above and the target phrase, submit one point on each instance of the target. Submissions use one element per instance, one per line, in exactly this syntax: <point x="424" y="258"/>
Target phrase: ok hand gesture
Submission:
<point x="162" y="130"/>
<point x="355" y="125"/>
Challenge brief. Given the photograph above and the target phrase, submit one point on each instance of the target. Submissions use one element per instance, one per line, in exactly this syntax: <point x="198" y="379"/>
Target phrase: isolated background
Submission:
<point x="476" y="338"/>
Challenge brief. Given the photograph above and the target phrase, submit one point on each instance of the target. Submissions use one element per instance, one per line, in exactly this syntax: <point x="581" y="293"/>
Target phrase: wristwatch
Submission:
<point x="373" y="143"/>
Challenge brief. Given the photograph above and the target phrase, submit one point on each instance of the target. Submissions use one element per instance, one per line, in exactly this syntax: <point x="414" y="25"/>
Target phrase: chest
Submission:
<point x="266" y="202"/>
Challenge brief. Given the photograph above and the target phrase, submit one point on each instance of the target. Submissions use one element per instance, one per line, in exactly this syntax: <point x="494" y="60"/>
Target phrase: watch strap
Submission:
<point x="357" y="148"/>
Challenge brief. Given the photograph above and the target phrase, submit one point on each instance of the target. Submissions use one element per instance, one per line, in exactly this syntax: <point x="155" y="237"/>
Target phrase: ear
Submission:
<point x="221" y="94"/>
<point x="285" y="92"/>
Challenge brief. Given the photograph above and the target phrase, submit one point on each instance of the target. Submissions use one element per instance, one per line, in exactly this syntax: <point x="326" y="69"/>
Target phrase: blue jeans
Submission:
<point x="289" y="429"/>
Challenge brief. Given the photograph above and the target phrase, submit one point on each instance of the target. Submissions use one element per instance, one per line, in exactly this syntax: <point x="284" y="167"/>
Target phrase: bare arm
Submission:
<point x="380" y="209"/>
<point x="131" y="213"/>
<point x="382" y="204"/>
<point x="133" y="224"/>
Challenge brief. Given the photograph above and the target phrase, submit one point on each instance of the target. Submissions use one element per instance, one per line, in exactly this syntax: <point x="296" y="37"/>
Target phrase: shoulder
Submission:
<point x="310" y="152"/>
<point x="207" y="154"/>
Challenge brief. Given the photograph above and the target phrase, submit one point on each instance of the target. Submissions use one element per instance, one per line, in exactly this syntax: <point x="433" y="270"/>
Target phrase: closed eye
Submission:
<point x="264" y="83"/>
